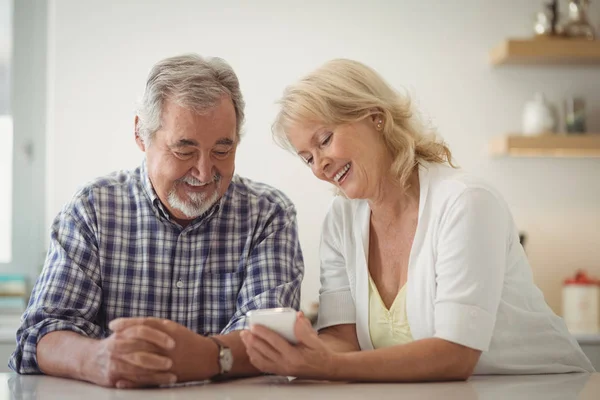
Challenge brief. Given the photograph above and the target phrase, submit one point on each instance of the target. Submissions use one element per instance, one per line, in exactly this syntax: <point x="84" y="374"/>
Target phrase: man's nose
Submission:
<point x="205" y="168"/>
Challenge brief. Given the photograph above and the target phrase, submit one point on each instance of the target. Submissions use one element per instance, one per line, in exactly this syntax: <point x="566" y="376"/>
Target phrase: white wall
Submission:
<point x="100" y="53"/>
<point x="6" y="141"/>
<point x="6" y="132"/>
<point x="5" y="52"/>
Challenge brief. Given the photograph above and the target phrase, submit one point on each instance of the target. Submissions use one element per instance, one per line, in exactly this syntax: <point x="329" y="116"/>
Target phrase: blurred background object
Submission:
<point x="575" y="115"/>
<point x="546" y="23"/>
<point x="523" y="238"/>
<point x="580" y="311"/>
<point x="578" y="25"/>
<point x="581" y="298"/>
<point x="14" y="294"/>
<point x="312" y="312"/>
<point x="539" y="116"/>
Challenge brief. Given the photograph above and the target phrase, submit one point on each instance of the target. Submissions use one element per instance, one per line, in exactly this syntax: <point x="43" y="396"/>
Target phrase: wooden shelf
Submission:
<point x="546" y="51"/>
<point x="551" y="145"/>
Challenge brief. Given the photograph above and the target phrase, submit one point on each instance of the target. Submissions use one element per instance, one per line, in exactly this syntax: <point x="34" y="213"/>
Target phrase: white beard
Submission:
<point x="198" y="203"/>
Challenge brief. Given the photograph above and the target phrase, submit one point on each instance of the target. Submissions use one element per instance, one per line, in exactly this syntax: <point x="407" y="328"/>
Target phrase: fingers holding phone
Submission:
<point x="283" y="342"/>
<point x="280" y="320"/>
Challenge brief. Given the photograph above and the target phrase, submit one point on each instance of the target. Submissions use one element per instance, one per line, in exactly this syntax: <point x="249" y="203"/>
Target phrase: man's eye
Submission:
<point x="221" y="153"/>
<point x="182" y="155"/>
<point x="308" y="160"/>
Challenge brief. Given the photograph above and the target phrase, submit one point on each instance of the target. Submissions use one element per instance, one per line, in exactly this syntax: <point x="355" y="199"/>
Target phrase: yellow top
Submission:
<point x="388" y="327"/>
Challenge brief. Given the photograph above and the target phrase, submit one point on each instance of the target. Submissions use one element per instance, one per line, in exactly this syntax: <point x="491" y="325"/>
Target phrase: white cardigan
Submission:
<point x="469" y="281"/>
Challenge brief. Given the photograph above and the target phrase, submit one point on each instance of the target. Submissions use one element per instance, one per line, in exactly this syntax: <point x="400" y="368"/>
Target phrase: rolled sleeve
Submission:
<point x="24" y="359"/>
<point x="470" y="267"/>
<point x="67" y="294"/>
<point x="336" y="304"/>
<point x="336" y="309"/>
<point x="274" y="270"/>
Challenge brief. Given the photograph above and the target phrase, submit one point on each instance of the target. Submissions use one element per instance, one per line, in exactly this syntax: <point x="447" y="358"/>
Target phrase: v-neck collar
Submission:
<point x="361" y="236"/>
<point x="393" y="306"/>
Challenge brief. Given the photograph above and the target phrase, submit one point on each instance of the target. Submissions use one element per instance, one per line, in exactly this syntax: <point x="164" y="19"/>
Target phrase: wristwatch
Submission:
<point x="225" y="356"/>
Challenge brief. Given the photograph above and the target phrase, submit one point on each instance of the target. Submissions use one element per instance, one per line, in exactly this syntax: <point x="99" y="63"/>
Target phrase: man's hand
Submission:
<point x="194" y="356"/>
<point x="136" y="356"/>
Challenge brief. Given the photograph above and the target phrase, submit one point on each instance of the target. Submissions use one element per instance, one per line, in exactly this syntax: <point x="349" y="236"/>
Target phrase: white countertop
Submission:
<point x="546" y="387"/>
<point x="587" y="338"/>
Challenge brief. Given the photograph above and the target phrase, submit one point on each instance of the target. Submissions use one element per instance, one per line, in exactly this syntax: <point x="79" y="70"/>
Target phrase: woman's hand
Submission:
<point x="271" y="353"/>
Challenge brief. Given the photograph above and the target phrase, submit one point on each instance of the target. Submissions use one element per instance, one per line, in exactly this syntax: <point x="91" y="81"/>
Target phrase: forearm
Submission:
<point x="337" y="344"/>
<point x="430" y="359"/>
<point x="241" y="362"/>
<point x="64" y="354"/>
<point x="340" y="338"/>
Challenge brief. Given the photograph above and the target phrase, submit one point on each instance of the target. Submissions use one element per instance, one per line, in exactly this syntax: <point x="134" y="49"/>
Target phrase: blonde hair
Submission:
<point x="346" y="91"/>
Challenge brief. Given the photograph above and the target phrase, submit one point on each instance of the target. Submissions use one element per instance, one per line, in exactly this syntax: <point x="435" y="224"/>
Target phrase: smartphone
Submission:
<point x="280" y="320"/>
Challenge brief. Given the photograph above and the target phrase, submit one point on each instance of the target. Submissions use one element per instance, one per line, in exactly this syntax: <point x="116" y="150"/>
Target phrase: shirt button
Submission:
<point x="179" y="284"/>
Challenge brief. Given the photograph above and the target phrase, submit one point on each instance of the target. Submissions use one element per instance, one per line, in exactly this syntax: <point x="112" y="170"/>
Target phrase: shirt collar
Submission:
<point x="149" y="190"/>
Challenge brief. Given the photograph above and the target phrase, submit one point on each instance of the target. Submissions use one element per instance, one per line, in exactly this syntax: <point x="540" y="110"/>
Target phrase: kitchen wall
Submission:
<point x="100" y="53"/>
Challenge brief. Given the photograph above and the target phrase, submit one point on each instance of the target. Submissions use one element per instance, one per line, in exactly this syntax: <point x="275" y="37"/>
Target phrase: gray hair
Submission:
<point x="191" y="81"/>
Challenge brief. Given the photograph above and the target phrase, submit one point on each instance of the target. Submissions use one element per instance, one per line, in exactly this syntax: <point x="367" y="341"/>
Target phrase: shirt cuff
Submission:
<point x="336" y="308"/>
<point x="464" y="324"/>
<point x="238" y="325"/>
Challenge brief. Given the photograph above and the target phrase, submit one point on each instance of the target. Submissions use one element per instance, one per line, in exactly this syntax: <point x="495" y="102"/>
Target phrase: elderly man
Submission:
<point x="150" y="272"/>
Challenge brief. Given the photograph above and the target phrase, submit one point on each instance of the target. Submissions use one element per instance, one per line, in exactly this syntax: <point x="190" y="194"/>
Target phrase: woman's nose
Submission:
<point x="320" y="166"/>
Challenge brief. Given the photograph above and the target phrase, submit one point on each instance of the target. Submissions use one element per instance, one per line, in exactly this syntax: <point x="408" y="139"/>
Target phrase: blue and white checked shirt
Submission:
<point x="114" y="252"/>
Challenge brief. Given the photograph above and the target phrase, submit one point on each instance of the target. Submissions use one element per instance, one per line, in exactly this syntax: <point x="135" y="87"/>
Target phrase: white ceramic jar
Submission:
<point x="581" y="298"/>
<point x="539" y="116"/>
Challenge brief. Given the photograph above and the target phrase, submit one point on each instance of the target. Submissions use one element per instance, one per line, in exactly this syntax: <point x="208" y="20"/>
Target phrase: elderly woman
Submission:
<point x="423" y="276"/>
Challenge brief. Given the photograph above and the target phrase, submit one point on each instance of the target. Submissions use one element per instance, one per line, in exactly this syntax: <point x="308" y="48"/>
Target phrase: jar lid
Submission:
<point x="581" y="278"/>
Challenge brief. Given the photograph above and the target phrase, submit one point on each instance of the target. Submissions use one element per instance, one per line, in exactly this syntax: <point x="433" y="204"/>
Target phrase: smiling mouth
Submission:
<point x="197" y="188"/>
<point x="192" y="184"/>
<point x="342" y="173"/>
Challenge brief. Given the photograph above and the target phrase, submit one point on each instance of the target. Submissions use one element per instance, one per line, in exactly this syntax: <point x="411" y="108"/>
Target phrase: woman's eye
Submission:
<point x="327" y="139"/>
<point x="308" y="160"/>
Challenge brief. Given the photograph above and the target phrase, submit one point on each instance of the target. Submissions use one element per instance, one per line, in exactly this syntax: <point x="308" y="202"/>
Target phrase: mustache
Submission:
<point x="193" y="181"/>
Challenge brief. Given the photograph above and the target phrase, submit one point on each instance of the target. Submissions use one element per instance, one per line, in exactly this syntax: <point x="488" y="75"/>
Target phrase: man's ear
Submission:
<point x="138" y="139"/>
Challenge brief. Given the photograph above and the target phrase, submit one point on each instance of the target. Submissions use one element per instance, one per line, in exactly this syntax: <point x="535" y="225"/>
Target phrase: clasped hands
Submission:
<point x="151" y="352"/>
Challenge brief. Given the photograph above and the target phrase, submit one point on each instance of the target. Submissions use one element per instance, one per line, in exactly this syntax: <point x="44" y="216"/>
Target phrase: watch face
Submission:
<point x="226" y="360"/>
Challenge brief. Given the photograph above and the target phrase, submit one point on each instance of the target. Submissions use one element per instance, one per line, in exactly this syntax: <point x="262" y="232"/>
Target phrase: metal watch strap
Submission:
<point x="222" y="348"/>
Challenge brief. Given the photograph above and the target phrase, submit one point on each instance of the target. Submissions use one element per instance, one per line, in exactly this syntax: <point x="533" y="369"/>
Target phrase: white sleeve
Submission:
<point x="336" y="305"/>
<point x="471" y="260"/>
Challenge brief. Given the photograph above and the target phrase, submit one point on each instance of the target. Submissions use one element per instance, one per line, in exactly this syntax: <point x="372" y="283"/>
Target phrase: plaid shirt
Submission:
<point x="115" y="252"/>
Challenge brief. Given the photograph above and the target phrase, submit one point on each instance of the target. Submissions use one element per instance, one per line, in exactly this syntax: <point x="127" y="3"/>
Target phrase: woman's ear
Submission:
<point x="376" y="117"/>
<point x="378" y="121"/>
